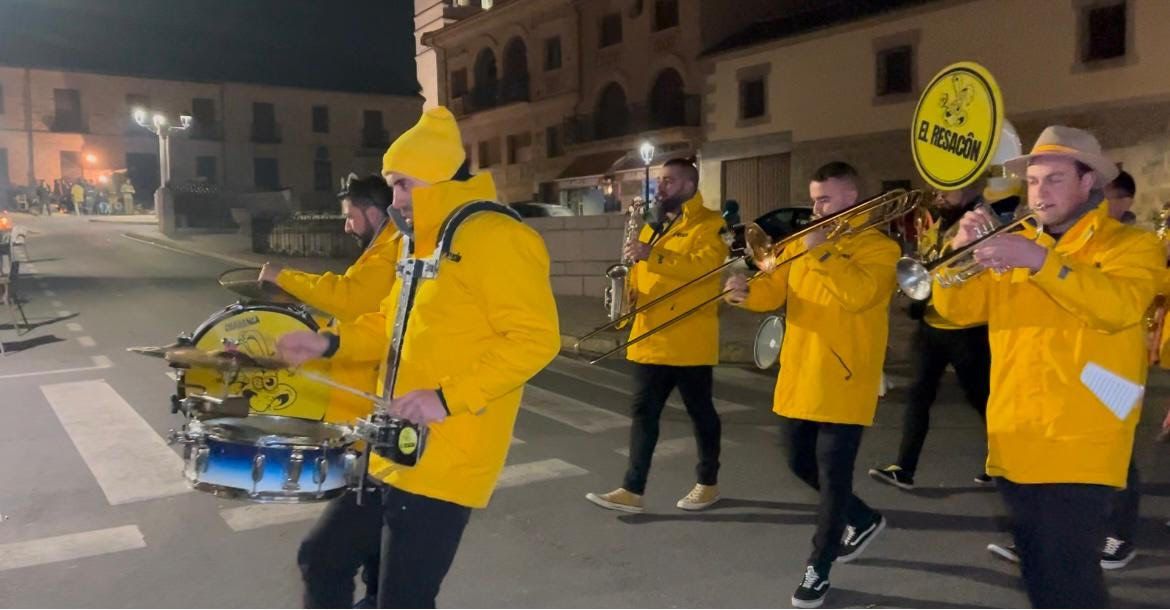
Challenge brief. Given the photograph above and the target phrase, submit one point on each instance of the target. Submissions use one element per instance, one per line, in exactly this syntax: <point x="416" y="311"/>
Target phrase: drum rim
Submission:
<point x="205" y="430"/>
<point x="267" y="497"/>
<point x="296" y="311"/>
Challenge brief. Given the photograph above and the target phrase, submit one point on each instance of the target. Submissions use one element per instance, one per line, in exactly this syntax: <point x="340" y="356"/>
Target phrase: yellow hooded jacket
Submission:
<point x="838" y="296"/>
<point x="345" y="297"/>
<point x="690" y="247"/>
<point x="1084" y="306"/>
<point x="479" y="331"/>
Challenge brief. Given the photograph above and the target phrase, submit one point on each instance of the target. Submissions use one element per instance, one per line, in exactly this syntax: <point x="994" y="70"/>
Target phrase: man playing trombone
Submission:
<point x="838" y="295"/>
<point x="1064" y="312"/>
<point x="682" y="244"/>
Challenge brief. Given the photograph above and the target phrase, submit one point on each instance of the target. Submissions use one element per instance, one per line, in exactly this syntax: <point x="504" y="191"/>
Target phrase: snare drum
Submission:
<point x="254" y="329"/>
<point x="266" y="458"/>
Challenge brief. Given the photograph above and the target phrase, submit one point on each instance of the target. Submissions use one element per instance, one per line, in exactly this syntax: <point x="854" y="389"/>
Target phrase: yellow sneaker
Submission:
<point x="700" y="497"/>
<point x="618" y="499"/>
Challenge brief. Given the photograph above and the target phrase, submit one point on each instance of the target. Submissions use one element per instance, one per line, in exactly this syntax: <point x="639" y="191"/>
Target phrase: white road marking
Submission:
<point x="129" y="460"/>
<point x="86" y="341"/>
<point x="73" y="327"/>
<point x="64" y="314"/>
<point x="535" y="472"/>
<point x="57" y="304"/>
<point x="50" y="293"/>
<point x="621" y="383"/>
<point x="173" y="375"/>
<point x="570" y="411"/>
<point x="30" y="268"/>
<point x="70" y="546"/>
<point x="99" y="363"/>
<point x="516" y="441"/>
<point x="675" y="447"/>
<point x="253" y="516"/>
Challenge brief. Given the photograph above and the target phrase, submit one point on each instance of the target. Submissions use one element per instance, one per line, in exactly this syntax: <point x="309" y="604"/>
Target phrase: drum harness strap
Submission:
<point x="412" y="270"/>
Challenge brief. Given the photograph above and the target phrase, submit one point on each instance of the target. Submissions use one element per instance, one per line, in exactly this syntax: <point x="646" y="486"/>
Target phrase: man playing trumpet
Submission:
<point x="1064" y="312"/>
<point x="838" y="297"/>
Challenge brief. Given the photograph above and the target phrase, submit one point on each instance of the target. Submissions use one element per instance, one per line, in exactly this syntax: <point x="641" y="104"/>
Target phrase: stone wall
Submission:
<point x="581" y="248"/>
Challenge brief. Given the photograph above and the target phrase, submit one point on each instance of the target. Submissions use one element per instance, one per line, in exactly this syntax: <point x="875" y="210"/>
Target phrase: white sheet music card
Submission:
<point x="1117" y="393"/>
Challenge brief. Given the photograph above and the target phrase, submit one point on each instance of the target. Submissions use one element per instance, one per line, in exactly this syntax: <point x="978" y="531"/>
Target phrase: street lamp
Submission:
<point x="159" y="125"/>
<point x="647" y="152"/>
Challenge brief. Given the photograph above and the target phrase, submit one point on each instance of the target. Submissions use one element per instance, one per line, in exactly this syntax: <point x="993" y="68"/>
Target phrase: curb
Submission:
<point x="125" y="222"/>
<point x="167" y="244"/>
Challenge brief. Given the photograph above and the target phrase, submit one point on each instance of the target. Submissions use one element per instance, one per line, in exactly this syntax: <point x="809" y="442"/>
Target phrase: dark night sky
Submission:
<point x="349" y="45"/>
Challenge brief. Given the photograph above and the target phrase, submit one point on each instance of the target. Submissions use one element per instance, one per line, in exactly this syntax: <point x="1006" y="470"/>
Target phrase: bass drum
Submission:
<point x="254" y="329"/>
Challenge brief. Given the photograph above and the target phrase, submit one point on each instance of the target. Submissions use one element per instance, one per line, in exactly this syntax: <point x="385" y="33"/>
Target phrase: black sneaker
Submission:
<point x="857" y="537"/>
<point x="983" y="479"/>
<point x="892" y="475"/>
<point x="1006" y="552"/>
<point x="812" y="590"/>
<point x="1117" y="553"/>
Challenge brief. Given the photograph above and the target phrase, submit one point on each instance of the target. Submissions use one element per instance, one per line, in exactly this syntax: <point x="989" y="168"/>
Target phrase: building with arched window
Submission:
<point x="555" y="96"/>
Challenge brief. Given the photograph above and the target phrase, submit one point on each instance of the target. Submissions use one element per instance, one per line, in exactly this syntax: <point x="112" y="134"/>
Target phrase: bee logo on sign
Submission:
<point x="956" y="126"/>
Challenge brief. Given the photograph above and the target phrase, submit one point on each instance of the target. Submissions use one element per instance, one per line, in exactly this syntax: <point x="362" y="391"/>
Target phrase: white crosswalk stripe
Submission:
<point x="129" y="460"/>
<point x="570" y="411"/>
<point x="516" y="475"/>
<point x="70" y="546"/>
<point x="675" y="447"/>
<point x="622" y="384"/>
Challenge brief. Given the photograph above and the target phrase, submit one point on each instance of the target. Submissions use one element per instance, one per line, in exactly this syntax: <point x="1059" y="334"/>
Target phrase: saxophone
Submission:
<point x="619" y="294"/>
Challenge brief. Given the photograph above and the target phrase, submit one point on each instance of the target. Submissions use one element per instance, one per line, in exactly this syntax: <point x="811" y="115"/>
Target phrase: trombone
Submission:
<point x="916" y="275"/>
<point x="768" y="252"/>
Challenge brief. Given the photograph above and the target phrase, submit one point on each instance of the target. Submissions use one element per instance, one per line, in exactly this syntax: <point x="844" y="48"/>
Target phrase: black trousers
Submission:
<point x="346" y="537"/>
<point x="420" y="536"/>
<point x="968" y="351"/>
<point x="1123" y="506"/>
<point x="823" y="455"/>
<point x="653" y="385"/>
<point x="1058" y="530"/>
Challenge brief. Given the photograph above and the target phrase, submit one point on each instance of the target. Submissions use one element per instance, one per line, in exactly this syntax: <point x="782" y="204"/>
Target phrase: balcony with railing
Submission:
<point x="266" y="133"/>
<point x="494" y="94"/>
<point x="638" y="118"/>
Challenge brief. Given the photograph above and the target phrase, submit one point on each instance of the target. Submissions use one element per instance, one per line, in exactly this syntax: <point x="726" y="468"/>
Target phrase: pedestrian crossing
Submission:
<point x="132" y="464"/>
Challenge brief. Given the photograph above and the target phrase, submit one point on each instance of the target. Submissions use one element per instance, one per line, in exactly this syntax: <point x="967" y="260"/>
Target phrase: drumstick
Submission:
<point x="340" y="386"/>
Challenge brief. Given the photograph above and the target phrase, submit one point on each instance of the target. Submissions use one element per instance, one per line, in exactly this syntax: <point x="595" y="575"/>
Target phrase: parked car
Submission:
<point x="533" y="209"/>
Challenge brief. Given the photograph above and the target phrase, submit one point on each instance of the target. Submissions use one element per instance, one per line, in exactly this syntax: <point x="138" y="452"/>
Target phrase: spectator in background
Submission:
<point x="1120" y="194"/>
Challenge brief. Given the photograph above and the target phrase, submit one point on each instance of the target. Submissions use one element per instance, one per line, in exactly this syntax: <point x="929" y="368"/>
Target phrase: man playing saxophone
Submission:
<point x="681" y="244"/>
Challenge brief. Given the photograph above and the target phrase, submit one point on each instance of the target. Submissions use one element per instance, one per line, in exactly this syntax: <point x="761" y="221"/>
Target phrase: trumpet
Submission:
<point x="949" y="268"/>
<point x="770" y="251"/>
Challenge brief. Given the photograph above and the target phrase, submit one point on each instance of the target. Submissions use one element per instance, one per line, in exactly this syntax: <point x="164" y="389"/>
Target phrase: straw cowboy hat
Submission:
<point x="1068" y="142"/>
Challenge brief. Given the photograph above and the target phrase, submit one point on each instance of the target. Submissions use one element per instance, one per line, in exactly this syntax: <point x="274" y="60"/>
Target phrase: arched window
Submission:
<point x="668" y="100"/>
<point x="487" y="80"/>
<point x="612" y="117"/>
<point x="515" y="82"/>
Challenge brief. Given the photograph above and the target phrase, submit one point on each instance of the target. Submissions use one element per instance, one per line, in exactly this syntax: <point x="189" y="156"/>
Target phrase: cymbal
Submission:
<point x="245" y="282"/>
<point x="222" y="360"/>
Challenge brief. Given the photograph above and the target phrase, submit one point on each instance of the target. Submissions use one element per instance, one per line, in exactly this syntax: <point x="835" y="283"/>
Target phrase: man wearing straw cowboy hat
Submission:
<point x="1064" y="311"/>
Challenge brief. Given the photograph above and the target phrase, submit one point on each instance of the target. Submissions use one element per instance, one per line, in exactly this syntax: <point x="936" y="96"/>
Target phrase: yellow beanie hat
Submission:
<point x="431" y="151"/>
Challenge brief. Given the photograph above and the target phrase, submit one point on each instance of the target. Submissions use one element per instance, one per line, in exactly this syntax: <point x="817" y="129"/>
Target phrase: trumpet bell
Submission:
<point x="913" y="278"/>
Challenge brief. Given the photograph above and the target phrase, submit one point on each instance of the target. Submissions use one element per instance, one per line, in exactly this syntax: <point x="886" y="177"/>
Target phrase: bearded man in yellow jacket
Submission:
<point x="838" y="298"/>
<point x="679" y="246"/>
<point x="478" y="321"/>
<point x="1064" y="310"/>
<point x="347" y="531"/>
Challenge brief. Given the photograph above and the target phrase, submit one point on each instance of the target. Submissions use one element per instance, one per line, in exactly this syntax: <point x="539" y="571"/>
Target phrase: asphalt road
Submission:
<point x="95" y="514"/>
